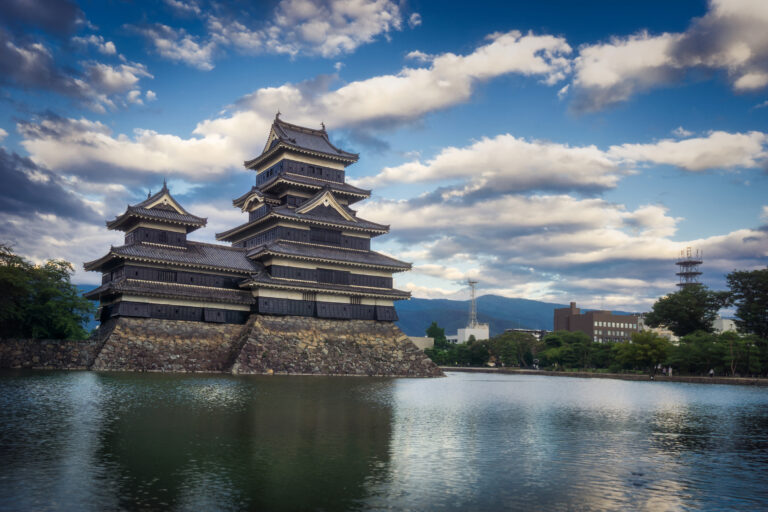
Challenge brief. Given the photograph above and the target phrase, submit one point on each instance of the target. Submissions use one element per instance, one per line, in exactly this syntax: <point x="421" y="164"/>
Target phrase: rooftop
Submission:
<point x="194" y="254"/>
<point x="300" y="138"/>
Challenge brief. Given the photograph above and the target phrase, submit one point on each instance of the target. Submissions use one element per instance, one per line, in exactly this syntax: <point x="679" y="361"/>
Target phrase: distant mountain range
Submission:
<point x="500" y="312"/>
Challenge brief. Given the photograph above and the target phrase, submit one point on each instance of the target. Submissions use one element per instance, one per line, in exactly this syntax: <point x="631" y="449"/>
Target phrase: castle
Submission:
<point x="302" y="253"/>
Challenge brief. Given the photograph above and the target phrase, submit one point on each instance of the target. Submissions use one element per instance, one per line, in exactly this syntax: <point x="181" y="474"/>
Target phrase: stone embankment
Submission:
<point x="739" y="381"/>
<point x="264" y="345"/>
<point x="301" y="345"/>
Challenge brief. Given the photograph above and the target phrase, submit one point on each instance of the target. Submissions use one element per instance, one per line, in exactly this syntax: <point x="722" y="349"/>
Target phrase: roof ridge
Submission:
<point x="305" y="129"/>
<point x="218" y="246"/>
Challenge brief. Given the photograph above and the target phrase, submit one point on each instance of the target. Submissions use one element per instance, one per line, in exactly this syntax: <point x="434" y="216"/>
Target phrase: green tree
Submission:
<point x="514" y="348"/>
<point x="646" y="351"/>
<point x="749" y="292"/>
<point x="438" y="334"/>
<point x="39" y="301"/>
<point x="693" y="308"/>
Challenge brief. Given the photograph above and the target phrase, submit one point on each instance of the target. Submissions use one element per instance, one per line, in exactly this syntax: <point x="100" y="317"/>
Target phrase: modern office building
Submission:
<point x="601" y="326"/>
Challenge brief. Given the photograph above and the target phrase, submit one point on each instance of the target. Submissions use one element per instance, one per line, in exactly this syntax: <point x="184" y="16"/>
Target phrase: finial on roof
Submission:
<point x="322" y="123"/>
<point x="165" y="184"/>
<point x="277" y="116"/>
<point x="149" y="193"/>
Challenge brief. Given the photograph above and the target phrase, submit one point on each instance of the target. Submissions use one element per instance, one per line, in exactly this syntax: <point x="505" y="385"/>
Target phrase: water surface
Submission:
<point x="96" y="441"/>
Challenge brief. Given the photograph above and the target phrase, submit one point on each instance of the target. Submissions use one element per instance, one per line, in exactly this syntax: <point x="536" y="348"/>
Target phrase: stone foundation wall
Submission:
<point x="48" y="354"/>
<point x="264" y="345"/>
<point x="301" y="345"/>
<point x="151" y="344"/>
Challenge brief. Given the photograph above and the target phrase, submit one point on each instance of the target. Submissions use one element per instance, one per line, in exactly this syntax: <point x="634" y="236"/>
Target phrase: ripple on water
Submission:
<point x="94" y="441"/>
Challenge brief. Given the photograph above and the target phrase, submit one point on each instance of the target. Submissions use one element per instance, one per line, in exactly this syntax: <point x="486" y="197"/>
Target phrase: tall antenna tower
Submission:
<point x="689" y="262"/>
<point x="472" y="305"/>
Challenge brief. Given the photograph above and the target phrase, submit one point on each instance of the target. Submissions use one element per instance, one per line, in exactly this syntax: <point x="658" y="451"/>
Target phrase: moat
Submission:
<point x="98" y="441"/>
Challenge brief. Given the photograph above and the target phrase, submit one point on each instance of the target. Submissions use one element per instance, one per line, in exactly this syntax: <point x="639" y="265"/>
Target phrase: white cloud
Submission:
<point x="542" y="247"/>
<point x="134" y="97"/>
<point x="104" y="47"/>
<point x="86" y="147"/>
<point x="224" y="142"/>
<point x="505" y="164"/>
<point x="150" y="95"/>
<point x="730" y="37"/>
<point x="178" y="45"/>
<point x="681" y="132"/>
<point x="718" y="150"/>
<point x="109" y="80"/>
<point x="3" y="134"/>
<point x="419" y="56"/>
<point x="327" y="28"/>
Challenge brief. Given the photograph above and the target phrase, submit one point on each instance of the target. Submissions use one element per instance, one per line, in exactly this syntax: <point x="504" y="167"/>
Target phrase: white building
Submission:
<point x="473" y="328"/>
<point x="722" y="325"/>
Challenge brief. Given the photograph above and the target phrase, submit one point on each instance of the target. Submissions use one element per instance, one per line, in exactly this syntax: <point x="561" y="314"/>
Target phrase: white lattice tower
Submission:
<point x="472" y="305"/>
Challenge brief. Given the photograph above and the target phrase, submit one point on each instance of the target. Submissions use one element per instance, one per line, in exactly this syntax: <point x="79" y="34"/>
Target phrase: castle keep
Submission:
<point x="298" y="278"/>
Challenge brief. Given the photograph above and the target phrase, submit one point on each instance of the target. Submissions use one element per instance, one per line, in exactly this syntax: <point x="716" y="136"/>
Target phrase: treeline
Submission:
<point x="728" y="353"/>
<point x="39" y="301"/>
<point x="688" y="313"/>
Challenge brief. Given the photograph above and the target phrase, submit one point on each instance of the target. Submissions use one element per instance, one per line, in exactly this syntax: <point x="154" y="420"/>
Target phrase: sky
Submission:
<point x="555" y="151"/>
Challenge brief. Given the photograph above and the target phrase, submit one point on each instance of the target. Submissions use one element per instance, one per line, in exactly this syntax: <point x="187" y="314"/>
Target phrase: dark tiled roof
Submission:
<point x="302" y="138"/>
<point x="238" y="202"/>
<point x="343" y="188"/>
<point x="316" y="214"/>
<point x="160" y="213"/>
<point x="196" y="254"/>
<point x="264" y="278"/>
<point x="172" y="290"/>
<point x="318" y="252"/>
<point x="311" y="217"/>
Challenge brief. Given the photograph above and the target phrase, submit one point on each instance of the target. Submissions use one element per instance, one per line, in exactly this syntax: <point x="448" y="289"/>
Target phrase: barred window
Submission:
<point x="309" y="296"/>
<point x="356" y="300"/>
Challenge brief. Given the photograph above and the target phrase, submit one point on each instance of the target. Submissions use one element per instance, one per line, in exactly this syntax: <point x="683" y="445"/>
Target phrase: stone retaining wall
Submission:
<point x="48" y="354"/>
<point x="305" y="345"/>
<point x="152" y="344"/>
<point x="264" y="345"/>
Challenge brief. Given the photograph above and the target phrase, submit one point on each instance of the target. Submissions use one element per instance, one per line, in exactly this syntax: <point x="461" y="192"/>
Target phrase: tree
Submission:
<point x="749" y="292"/>
<point x="438" y="334"/>
<point x="694" y="308"/>
<point x="646" y="351"/>
<point x="514" y="348"/>
<point x="39" y="301"/>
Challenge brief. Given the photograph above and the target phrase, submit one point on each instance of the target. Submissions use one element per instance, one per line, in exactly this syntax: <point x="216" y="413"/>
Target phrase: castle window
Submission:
<point x="356" y="300"/>
<point x="309" y="296"/>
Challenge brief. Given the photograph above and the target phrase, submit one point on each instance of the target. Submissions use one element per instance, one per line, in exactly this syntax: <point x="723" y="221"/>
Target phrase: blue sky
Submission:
<point x="559" y="151"/>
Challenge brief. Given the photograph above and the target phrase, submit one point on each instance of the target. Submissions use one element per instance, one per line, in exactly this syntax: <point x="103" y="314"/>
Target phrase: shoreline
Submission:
<point x="732" y="381"/>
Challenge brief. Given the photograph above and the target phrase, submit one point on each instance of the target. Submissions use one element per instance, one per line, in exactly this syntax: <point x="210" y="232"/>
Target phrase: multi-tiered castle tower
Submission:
<point x="303" y="250"/>
<point x="312" y="251"/>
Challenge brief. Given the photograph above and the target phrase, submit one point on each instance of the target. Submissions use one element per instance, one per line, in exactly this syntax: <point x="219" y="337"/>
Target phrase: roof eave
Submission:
<point x="282" y="146"/>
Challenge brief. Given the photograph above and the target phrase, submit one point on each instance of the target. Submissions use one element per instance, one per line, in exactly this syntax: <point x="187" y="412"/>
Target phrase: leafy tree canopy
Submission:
<point x="749" y="292"/>
<point x="437" y="333"/>
<point x="646" y="350"/>
<point x="693" y="308"/>
<point x="39" y="301"/>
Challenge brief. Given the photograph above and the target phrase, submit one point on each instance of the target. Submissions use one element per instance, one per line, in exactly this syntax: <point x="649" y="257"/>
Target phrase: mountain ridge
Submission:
<point x="499" y="312"/>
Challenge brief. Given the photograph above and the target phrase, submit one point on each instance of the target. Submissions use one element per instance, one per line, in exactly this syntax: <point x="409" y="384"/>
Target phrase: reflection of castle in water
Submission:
<point x="247" y="444"/>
